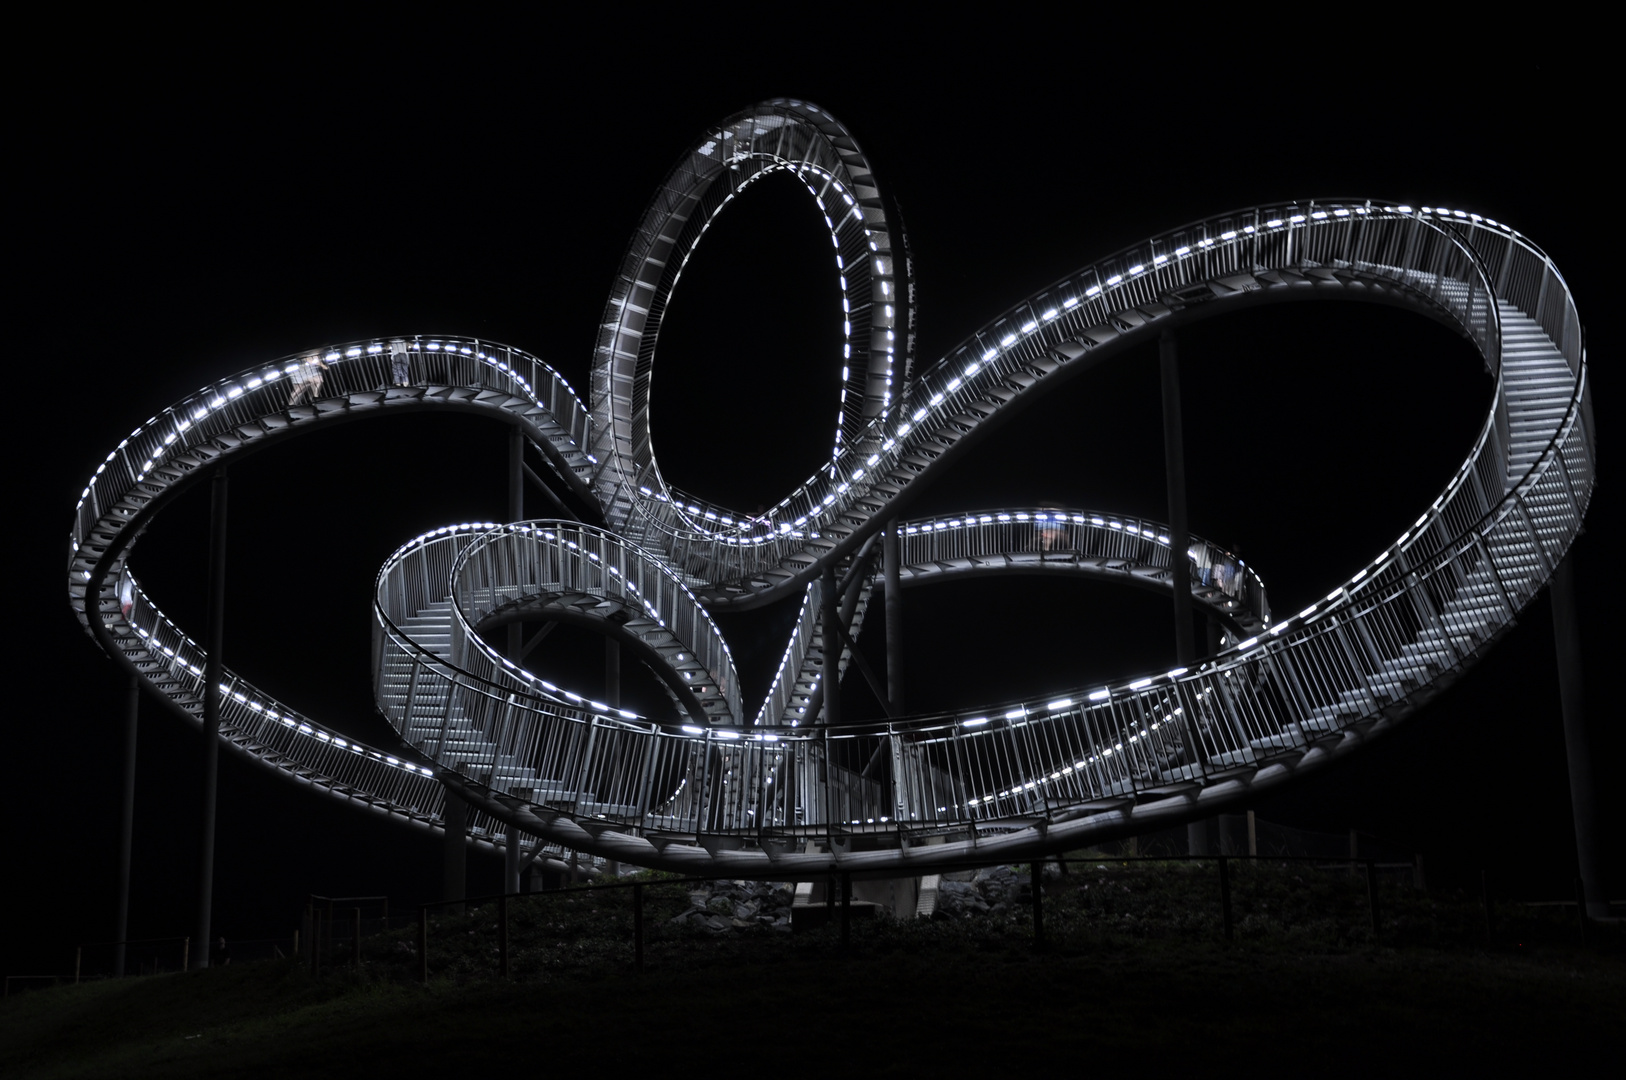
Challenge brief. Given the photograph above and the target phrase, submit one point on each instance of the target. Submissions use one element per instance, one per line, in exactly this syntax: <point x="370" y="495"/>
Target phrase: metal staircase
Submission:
<point x="702" y="788"/>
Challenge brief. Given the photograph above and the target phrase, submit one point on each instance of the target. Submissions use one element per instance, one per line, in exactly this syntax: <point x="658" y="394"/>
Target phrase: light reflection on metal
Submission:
<point x="1013" y="776"/>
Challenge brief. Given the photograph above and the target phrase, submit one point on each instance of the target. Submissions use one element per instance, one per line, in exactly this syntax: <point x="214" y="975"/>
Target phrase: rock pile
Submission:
<point x="722" y="906"/>
<point x="992" y="889"/>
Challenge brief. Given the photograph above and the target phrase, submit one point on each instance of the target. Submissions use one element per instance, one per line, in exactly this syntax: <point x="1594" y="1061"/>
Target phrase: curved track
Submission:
<point x="706" y="788"/>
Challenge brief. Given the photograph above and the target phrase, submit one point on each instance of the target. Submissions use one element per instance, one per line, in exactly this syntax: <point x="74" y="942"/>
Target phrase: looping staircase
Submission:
<point x="722" y="785"/>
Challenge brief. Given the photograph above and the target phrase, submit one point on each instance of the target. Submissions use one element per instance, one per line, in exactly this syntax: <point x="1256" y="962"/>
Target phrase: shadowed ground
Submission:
<point x="1137" y="974"/>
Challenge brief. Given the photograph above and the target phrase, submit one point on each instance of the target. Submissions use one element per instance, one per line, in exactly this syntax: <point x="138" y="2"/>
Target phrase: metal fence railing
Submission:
<point x="1421" y="610"/>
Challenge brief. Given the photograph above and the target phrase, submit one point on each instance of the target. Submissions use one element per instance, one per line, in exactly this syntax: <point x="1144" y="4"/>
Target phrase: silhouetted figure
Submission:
<point x="220" y="956"/>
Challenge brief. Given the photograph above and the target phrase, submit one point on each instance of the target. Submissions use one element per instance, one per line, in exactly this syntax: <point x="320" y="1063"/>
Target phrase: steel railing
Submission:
<point x="1395" y="630"/>
<point x="1395" y="248"/>
<point x="1419" y="612"/>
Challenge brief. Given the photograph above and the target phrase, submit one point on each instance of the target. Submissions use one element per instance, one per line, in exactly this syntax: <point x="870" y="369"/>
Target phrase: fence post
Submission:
<point x="1037" y="888"/>
<point x="186" y="954"/>
<point x="502" y="936"/>
<point x="1372" y="894"/>
<point x="1225" y="895"/>
<point x="638" y="926"/>
<point x="423" y="945"/>
<point x="296" y="943"/>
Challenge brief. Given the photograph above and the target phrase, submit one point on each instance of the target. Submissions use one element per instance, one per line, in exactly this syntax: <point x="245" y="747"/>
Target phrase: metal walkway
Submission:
<point x="722" y="785"/>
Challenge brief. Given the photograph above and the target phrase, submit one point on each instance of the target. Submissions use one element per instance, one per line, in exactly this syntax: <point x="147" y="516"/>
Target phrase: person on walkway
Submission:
<point x="399" y="373"/>
<point x="308" y="380"/>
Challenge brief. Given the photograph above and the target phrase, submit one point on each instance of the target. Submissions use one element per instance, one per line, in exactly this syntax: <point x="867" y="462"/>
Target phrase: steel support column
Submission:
<point x="126" y="824"/>
<point x="612" y="698"/>
<point x="1572" y="694"/>
<point x="516" y="512"/>
<point x="510" y="861"/>
<point x="214" y="670"/>
<point x="1174" y="460"/>
<point x="454" y="858"/>
<point x="830" y="641"/>
<point x="1174" y="463"/>
<point x="892" y="559"/>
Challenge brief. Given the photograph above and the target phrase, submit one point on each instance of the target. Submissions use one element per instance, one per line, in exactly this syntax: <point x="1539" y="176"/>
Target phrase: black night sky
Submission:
<point x="184" y="218"/>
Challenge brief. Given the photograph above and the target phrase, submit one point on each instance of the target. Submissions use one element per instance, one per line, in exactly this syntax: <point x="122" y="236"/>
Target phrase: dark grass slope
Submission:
<point x="1137" y="976"/>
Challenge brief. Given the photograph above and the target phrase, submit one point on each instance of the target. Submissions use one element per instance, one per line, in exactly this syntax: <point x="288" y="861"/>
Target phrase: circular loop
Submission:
<point x="782" y="135"/>
<point x="1299" y="690"/>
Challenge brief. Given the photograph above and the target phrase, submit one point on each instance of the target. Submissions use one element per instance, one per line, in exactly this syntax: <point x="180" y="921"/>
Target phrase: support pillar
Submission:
<point x="1174" y="460"/>
<point x="830" y="639"/>
<point x="612" y="698"/>
<point x="121" y="931"/>
<point x="455" y="854"/>
<point x="510" y="861"/>
<point x="1572" y="694"/>
<point x="892" y="564"/>
<point x="516" y="512"/>
<point x="1174" y="463"/>
<point x="214" y="670"/>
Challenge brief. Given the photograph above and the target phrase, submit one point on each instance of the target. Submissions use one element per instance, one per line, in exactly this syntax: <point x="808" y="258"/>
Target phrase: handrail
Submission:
<point x="1028" y="332"/>
<point x="1146" y="709"/>
<point x="218" y="411"/>
<point x="1024" y="775"/>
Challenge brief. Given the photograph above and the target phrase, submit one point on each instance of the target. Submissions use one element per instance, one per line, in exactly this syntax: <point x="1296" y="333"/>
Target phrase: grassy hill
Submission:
<point x="1137" y="974"/>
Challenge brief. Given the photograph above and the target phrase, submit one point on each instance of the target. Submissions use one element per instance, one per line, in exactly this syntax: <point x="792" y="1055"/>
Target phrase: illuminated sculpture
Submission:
<point x="715" y="787"/>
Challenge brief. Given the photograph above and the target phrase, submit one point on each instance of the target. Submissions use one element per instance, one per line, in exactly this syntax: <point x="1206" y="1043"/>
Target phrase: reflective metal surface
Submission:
<point x="768" y="790"/>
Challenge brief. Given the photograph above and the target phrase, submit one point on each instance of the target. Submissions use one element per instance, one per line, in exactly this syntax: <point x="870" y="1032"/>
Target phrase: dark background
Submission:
<point x="191" y="208"/>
